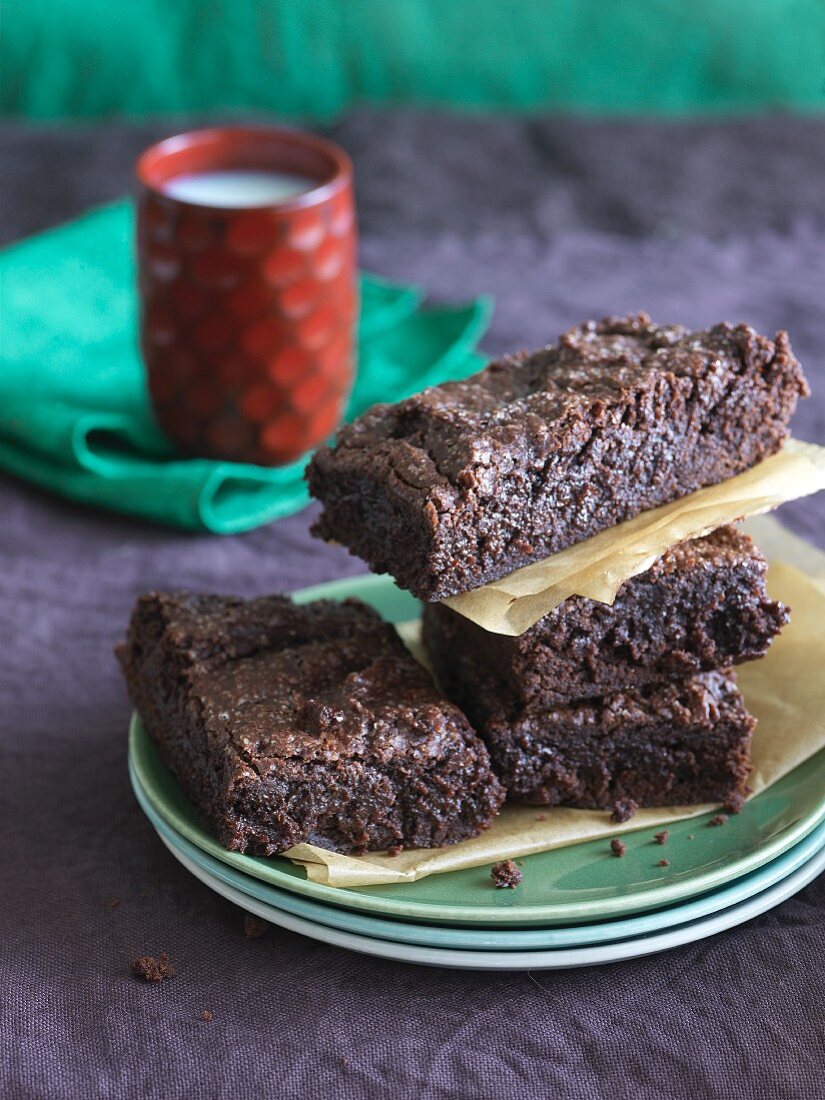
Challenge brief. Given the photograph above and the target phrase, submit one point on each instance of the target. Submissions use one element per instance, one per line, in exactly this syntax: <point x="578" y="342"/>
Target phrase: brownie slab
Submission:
<point x="286" y="723"/>
<point x="669" y="744"/>
<point x="469" y="480"/>
<point x="702" y="606"/>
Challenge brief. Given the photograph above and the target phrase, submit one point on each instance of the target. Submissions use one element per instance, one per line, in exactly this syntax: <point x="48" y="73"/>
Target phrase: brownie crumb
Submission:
<point x="623" y="810"/>
<point x="664" y="863"/>
<point x="720" y="819"/>
<point x="206" y="1016"/>
<point x="254" y="927"/>
<point x="114" y="903"/>
<point x="618" y="847"/>
<point x="151" y="969"/>
<point x="505" y="875"/>
<point x="662" y="837"/>
<point x="734" y="802"/>
<point x="396" y="848"/>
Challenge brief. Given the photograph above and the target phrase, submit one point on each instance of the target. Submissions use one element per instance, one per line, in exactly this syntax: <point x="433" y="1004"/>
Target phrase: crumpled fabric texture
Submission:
<point x="559" y="220"/>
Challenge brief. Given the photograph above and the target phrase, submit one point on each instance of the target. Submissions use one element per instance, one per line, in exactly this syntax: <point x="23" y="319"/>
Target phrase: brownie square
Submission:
<point x="663" y="744"/>
<point x="702" y="606"/>
<point x="469" y="480"/>
<point x="287" y="723"/>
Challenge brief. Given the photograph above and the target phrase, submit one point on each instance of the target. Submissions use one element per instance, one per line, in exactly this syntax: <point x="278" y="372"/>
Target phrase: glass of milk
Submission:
<point x="246" y="246"/>
<point x="237" y="188"/>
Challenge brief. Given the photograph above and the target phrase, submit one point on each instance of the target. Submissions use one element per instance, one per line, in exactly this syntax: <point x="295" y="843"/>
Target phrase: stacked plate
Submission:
<point x="577" y="906"/>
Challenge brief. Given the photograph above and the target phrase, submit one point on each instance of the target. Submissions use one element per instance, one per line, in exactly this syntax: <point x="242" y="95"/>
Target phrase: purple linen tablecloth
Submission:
<point x="560" y="220"/>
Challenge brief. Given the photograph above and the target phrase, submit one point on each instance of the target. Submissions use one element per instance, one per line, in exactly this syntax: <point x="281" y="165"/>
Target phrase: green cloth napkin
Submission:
<point x="75" y="415"/>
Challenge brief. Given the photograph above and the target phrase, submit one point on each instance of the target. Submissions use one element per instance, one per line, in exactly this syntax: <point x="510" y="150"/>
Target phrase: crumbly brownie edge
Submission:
<point x="156" y="672"/>
<point x="710" y="595"/>
<point x="377" y="516"/>
<point x="545" y="758"/>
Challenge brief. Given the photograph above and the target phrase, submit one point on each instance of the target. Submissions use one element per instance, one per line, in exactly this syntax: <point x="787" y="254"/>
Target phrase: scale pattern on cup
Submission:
<point x="248" y="324"/>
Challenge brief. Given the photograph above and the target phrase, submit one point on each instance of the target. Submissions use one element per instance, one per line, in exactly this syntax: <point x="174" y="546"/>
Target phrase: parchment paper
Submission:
<point x="785" y="691"/>
<point x="599" y="566"/>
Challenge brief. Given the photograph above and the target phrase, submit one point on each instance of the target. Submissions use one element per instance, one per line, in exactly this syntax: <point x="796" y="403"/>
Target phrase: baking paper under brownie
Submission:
<point x="288" y="723"/>
<point x="685" y="742"/>
<point x="467" y="481"/>
<point x="700" y="607"/>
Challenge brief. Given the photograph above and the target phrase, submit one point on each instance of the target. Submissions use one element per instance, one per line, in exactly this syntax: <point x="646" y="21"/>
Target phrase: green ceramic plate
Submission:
<point x="480" y="937"/>
<point x="577" y="884"/>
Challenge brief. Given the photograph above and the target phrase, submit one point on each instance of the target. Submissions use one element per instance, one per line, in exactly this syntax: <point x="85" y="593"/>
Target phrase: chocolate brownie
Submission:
<point x="469" y="480"/>
<point x="151" y="969"/>
<point x="623" y="810"/>
<point x="286" y="723"/>
<point x="659" y="745"/>
<point x="701" y="606"/>
<point x="255" y="927"/>
<point x="506" y="875"/>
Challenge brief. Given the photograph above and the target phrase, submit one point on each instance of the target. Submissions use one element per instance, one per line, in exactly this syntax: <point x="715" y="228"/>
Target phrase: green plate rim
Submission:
<point x="359" y="897"/>
<point x="495" y="939"/>
<point x="563" y="958"/>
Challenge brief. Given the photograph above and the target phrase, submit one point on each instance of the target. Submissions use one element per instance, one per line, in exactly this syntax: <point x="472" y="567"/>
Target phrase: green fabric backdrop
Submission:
<point x="314" y="58"/>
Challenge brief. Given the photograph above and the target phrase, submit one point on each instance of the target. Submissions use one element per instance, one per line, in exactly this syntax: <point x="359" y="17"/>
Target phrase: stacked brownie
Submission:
<point x="597" y="704"/>
<point x="470" y="480"/>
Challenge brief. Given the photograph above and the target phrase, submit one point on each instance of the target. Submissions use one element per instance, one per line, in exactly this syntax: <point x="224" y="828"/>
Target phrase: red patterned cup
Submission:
<point x="248" y="311"/>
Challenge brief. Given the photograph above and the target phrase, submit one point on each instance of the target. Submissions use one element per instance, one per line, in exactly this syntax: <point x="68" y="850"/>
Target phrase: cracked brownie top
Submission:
<point x="468" y="480"/>
<point x="521" y="397"/>
<point x="320" y="681"/>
